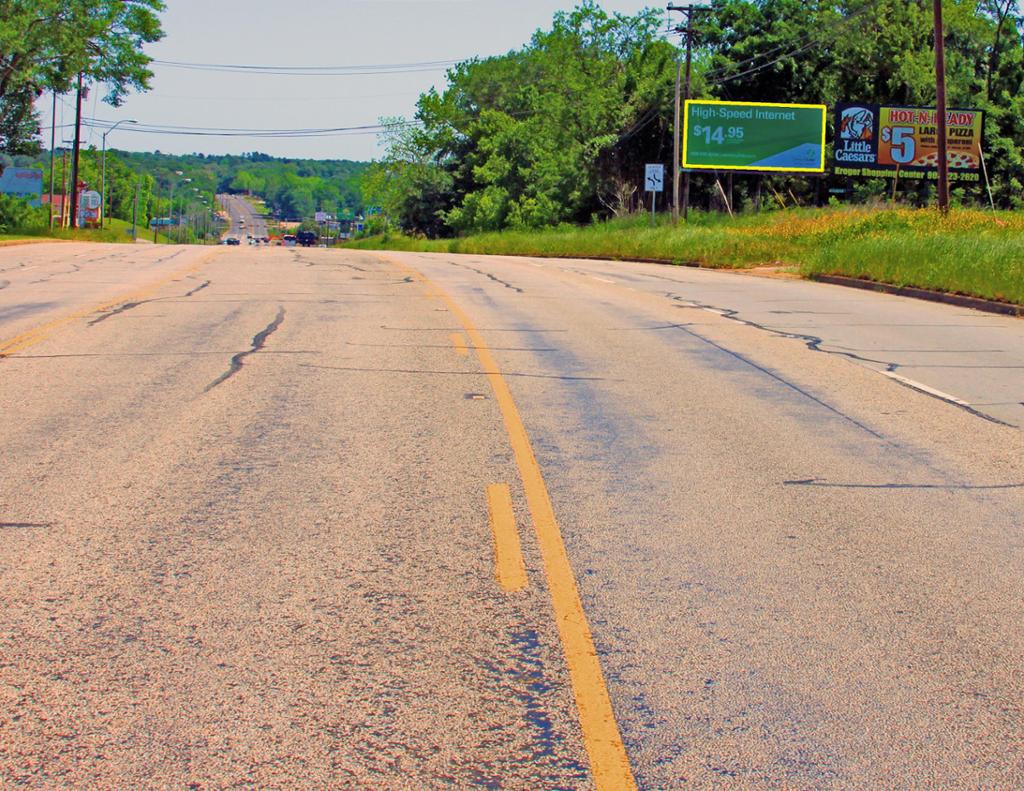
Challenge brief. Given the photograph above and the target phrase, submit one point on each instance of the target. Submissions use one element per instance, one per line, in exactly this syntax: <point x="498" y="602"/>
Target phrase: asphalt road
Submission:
<point x="243" y="220"/>
<point x="255" y="530"/>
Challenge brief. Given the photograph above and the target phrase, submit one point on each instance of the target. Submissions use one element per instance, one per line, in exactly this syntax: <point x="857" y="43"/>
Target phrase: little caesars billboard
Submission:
<point x="890" y="141"/>
<point x="755" y="136"/>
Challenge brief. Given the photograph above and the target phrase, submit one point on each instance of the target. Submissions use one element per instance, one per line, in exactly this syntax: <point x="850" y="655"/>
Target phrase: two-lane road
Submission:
<point x="243" y="221"/>
<point x="310" y="518"/>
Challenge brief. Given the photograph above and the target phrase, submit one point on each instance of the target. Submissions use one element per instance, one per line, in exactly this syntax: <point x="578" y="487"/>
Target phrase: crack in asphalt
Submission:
<point x="74" y="268"/>
<point x="818" y="482"/>
<point x="4" y="283"/>
<point x="816" y="344"/>
<point x="354" y="369"/>
<point x="488" y="275"/>
<point x="259" y="340"/>
<point x="131" y="305"/>
<point x="197" y="289"/>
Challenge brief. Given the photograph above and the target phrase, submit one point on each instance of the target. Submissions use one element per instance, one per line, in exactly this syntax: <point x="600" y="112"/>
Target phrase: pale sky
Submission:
<point x="306" y="33"/>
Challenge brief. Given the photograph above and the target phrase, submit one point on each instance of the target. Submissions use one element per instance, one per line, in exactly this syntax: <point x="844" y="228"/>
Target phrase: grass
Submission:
<point x="118" y="231"/>
<point x="969" y="252"/>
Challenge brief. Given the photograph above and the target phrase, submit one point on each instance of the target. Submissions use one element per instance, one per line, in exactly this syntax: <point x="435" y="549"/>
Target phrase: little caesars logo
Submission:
<point x="856" y="141"/>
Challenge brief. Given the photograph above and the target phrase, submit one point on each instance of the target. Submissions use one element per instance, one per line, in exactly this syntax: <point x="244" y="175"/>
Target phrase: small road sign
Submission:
<point x="655" y="178"/>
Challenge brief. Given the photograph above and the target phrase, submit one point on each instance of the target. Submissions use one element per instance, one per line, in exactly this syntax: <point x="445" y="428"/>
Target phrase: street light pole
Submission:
<point x="103" y="171"/>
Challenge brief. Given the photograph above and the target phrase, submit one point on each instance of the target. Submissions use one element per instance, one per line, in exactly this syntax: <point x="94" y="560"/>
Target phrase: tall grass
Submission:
<point x="969" y="252"/>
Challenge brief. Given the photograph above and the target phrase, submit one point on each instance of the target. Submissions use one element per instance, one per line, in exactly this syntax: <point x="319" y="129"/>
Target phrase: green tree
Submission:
<point x="45" y="44"/>
<point x="19" y="123"/>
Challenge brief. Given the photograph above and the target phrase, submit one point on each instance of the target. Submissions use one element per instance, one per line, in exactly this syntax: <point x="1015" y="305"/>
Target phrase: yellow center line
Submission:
<point x="460" y="344"/>
<point x="509" y="567"/>
<point x="609" y="763"/>
<point x="40" y="333"/>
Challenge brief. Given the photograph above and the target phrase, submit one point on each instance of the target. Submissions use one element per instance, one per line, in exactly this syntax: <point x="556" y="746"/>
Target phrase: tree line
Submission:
<point x="560" y="129"/>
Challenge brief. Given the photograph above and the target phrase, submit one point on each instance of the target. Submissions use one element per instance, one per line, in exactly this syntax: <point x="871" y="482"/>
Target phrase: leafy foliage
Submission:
<point x="559" y="130"/>
<point x="45" y="44"/>
<point x="17" y="215"/>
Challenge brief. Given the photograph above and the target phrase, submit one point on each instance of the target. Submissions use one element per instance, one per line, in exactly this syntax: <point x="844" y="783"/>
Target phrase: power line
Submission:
<point x="362" y="70"/>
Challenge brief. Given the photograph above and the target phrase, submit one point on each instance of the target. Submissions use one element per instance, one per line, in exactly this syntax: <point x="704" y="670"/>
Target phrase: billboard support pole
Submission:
<point x="940" y="106"/>
<point x="988" y="186"/>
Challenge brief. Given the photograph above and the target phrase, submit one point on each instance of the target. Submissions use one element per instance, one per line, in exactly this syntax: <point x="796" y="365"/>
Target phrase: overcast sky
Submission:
<point x="306" y="33"/>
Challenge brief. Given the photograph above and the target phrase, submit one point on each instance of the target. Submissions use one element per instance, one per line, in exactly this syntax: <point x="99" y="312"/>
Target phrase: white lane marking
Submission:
<point x="716" y="311"/>
<point x="534" y="263"/>
<point x="603" y="279"/>
<point x="924" y="388"/>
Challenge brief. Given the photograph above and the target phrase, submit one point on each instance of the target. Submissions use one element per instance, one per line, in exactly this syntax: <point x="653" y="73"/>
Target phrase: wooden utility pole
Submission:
<point x="75" y="155"/>
<point x="940" y="106"/>
<point x="684" y="201"/>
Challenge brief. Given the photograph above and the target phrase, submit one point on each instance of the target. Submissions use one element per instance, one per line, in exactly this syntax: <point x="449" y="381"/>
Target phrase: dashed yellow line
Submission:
<point x="609" y="763"/>
<point x="509" y="567"/>
<point x="460" y="344"/>
<point x="40" y="333"/>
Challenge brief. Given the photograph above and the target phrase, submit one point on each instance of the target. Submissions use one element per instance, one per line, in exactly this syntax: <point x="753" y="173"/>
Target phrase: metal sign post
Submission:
<point x="654" y="182"/>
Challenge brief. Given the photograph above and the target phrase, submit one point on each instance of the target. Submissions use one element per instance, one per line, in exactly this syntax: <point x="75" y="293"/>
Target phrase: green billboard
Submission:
<point x="758" y="136"/>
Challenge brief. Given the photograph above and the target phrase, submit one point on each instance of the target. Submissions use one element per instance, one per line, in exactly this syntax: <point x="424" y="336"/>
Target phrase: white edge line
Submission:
<point x="924" y="388"/>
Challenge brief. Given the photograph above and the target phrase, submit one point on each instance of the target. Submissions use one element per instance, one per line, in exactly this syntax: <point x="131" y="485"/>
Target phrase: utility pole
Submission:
<point x="53" y="145"/>
<point x="688" y="9"/>
<point x="75" y="155"/>
<point x="940" y="106"/>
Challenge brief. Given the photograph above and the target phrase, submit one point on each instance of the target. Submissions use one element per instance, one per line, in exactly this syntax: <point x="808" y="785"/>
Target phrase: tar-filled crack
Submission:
<point x="488" y="275"/>
<point x="131" y="305"/>
<point x="815" y="344"/>
<point x="259" y="340"/>
<point x="767" y="372"/>
<point x="74" y="268"/>
<point x="301" y="259"/>
<point x="197" y="289"/>
<point x="118" y="310"/>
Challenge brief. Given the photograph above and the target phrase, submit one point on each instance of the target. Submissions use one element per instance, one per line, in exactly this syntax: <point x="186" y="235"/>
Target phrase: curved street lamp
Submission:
<point x="103" y="170"/>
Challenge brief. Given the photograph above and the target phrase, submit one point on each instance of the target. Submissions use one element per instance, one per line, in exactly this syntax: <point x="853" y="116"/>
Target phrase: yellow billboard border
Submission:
<point x="748" y="168"/>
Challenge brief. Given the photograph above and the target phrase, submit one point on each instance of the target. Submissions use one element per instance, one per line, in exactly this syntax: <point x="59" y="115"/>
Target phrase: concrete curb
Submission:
<point x="976" y="303"/>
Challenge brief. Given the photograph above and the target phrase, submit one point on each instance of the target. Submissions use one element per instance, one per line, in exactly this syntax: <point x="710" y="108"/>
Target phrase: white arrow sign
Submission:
<point x="655" y="178"/>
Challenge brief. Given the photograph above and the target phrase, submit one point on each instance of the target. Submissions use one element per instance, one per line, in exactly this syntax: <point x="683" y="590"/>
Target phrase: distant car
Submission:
<point x="233" y="241"/>
<point x="306" y="238"/>
<point x="289" y="240"/>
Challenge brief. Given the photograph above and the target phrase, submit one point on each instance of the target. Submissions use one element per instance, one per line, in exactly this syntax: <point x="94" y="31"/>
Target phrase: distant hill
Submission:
<point x="293" y="188"/>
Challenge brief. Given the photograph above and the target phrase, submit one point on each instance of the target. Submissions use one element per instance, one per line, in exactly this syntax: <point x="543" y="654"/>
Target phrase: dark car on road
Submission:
<point x="306" y="238"/>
